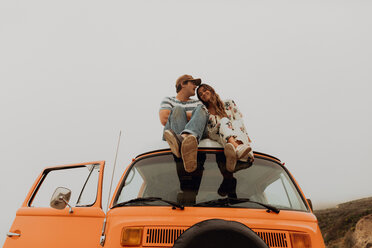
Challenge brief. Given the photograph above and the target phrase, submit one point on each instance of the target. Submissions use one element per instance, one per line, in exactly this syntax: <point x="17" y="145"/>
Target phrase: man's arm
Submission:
<point x="163" y="116"/>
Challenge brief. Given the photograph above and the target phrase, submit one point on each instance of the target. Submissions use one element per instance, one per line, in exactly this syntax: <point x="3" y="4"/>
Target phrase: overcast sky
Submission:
<point x="75" y="73"/>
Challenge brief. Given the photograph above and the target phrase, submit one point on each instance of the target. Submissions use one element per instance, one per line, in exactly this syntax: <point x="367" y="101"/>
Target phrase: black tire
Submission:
<point x="217" y="233"/>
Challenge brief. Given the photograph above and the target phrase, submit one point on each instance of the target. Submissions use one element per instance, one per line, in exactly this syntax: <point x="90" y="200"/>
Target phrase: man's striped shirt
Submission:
<point x="171" y="102"/>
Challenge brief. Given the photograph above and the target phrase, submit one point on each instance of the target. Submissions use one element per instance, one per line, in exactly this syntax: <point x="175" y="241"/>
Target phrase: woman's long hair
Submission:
<point x="214" y="101"/>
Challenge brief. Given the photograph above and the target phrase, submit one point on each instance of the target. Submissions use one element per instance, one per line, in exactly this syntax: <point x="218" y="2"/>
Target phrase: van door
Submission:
<point x="37" y="224"/>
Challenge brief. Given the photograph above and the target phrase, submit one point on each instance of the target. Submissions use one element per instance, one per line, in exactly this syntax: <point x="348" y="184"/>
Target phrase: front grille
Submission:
<point x="160" y="236"/>
<point x="166" y="236"/>
<point x="274" y="239"/>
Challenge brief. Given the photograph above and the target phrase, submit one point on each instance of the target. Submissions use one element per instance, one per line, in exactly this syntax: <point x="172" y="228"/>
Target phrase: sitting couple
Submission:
<point x="187" y="121"/>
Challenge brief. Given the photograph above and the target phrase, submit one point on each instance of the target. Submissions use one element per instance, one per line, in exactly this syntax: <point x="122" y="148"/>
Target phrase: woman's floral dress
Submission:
<point x="221" y="129"/>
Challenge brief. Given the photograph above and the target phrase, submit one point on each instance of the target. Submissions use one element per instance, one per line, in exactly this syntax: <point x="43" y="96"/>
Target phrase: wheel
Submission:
<point x="217" y="233"/>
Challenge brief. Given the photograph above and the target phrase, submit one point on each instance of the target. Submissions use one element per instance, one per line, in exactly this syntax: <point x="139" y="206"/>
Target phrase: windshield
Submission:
<point x="163" y="176"/>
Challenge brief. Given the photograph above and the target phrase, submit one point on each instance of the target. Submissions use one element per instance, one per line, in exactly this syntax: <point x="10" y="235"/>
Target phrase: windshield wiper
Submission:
<point x="232" y="201"/>
<point x="150" y="199"/>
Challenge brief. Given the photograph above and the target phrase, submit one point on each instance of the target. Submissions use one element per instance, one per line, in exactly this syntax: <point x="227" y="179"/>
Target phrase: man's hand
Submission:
<point x="163" y="116"/>
<point x="188" y="115"/>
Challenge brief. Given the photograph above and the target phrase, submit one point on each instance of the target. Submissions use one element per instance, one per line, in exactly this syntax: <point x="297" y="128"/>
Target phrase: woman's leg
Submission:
<point x="244" y="151"/>
<point x="232" y="133"/>
<point x="226" y="133"/>
<point x="234" y="141"/>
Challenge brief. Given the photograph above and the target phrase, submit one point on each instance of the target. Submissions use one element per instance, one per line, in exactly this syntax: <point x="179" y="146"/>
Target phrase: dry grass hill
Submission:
<point x="349" y="225"/>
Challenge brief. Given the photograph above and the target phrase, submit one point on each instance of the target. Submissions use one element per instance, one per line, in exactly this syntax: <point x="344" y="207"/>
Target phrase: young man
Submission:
<point x="184" y="121"/>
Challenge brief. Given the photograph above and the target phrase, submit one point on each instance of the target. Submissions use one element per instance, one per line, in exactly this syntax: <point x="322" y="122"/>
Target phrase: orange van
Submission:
<point x="158" y="204"/>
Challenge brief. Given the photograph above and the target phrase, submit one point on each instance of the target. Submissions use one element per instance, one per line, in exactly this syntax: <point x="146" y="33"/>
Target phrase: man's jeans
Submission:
<point x="177" y="121"/>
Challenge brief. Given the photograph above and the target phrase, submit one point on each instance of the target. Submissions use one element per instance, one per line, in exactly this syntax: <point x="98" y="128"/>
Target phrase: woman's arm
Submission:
<point x="235" y="112"/>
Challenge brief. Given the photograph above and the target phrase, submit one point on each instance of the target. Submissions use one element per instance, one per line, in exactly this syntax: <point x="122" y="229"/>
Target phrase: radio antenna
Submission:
<point x="103" y="235"/>
<point x="113" y="171"/>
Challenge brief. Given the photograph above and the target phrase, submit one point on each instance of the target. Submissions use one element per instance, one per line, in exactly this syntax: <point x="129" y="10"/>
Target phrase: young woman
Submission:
<point x="225" y="125"/>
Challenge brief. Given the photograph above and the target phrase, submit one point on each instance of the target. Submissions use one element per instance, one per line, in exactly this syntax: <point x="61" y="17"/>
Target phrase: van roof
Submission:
<point x="204" y="144"/>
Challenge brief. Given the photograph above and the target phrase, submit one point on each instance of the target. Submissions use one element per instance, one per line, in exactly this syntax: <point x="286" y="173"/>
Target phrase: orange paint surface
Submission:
<point x="45" y="227"/>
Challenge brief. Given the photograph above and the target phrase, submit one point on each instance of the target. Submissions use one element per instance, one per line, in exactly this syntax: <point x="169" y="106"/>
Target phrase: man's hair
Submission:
<point x="179" y="86"/>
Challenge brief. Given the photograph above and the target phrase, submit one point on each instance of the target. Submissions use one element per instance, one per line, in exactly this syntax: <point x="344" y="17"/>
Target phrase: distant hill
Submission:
<point x="347" y="225"/>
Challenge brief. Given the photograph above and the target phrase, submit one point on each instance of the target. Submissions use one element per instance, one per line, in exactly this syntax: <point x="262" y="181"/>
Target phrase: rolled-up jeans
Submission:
<point x="177" y="121"/>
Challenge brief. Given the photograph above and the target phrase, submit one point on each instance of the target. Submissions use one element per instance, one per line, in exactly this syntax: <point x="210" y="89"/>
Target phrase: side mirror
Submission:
<point x="310" y="203"/>
<point x="60" y="198"/>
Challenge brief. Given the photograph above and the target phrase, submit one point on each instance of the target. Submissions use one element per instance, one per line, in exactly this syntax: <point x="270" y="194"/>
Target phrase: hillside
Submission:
<point x="347" y="225"/>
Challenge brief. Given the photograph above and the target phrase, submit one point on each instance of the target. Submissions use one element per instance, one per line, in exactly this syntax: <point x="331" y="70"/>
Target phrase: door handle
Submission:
<point x="11" y="234"/>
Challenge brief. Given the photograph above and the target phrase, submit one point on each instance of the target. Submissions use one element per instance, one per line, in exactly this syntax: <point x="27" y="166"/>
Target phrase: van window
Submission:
<point x="281" y="187"/>
<point x="164" y="176"/>
<point x="81" y="180"/>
